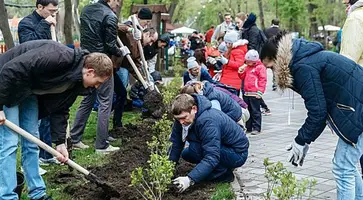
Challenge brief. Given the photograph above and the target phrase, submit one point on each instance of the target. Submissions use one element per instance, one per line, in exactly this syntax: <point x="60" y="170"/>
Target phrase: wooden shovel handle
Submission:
<point x="52" y="31"/>
<point x="44" y="146"/>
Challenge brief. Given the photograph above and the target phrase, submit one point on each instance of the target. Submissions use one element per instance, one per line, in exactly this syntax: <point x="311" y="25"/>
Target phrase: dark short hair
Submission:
<point x="351" y="2"/>
<point x="46" y="2"/>
<point x="212" y="26"/>
<point x="182" y="103"/>
<point x="269" y="49"/>
<point x="275" y="22"/>
<point x="227" y="14"/>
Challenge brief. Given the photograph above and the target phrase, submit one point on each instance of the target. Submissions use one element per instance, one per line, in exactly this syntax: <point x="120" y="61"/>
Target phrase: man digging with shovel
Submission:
<point x="50" y="75"/>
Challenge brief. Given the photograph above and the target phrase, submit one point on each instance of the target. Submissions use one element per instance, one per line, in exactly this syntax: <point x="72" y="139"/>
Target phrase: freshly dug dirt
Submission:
<point x="153" y="103"/>
<point x="133" y="154"/>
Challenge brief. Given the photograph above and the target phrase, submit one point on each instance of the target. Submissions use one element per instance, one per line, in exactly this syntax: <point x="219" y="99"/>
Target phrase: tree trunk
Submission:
<point x="76" y="21"/>
<point x="312" y="18"/>
<point x="4" y="26"/>
<point x="68" y="22"/>
<point x="262" y="18"/>
<point x="172" y="8"/>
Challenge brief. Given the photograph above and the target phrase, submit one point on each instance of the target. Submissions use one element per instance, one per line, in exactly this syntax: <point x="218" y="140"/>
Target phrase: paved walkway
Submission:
<point x="277" y="133"/>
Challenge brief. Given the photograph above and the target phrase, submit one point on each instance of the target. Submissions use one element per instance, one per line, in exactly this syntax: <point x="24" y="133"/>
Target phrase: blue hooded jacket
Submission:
<point x="228" y="105"/>
<point x="330" y="84"/>
<point x="212" y="128"/>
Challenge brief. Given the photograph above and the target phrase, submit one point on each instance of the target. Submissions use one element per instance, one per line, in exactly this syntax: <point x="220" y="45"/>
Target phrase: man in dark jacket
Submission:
<point x="217" y="144"/>
<point x="56" y="75"/>
<point x="99" y="34"/>
<point x="331" y="86"/>
<point x="270" y="32"/>
<point x="37" y="25"/>
<point x="274" y="29"/>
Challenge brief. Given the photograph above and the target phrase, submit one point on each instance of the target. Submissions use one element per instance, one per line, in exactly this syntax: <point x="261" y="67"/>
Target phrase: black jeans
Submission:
<point x="254" y="123"/>
<point x="264" y="105"/>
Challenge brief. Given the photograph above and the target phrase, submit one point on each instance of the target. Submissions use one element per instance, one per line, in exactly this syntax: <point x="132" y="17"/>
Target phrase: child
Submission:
<point x="253" y="74"/>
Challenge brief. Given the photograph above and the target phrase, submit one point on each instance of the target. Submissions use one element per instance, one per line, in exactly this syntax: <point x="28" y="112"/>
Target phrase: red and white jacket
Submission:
<point x="254" y="78"/>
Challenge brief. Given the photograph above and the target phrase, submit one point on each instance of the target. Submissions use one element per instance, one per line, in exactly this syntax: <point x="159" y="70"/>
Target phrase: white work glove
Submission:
<point x="125" y="51"/>
<point x="223" y="60"/>
<point x="63" y="150"/>
<point x="211" y="60"/>
<point x="297" y="153"/>
<point x="51" y="20"/>
<point x="2" y="117"/>
<point x="183" y="183"/>
<point x="136" y="33"/>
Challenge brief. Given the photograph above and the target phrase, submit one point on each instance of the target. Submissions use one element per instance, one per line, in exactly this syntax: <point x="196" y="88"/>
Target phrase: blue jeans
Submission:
<point x="348" y="178"/>
<point x="45" y="136"/>
<point x="229" y="159"/>
<point x="24" y="115"/>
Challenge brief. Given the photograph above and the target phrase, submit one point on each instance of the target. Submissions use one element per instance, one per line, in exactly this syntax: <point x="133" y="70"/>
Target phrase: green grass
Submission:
<point x="223" y="192"/>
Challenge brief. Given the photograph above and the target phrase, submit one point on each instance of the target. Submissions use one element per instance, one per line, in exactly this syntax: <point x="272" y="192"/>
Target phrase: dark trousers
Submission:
<point x="45" y="136"/>
<point x="264" y="105"/>
<point x="121" y="95"/>
<point x="254" y="123"/>
<point x="229" y="159"/>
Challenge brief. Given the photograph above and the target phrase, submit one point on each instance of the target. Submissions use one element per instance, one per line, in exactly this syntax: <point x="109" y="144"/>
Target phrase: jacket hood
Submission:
<point x="207" y="88"/>
<point x="251" y="20"/>
<point x="203" y="104"/>
<point x="290" y="52"/>
<point x="355" y="6"/>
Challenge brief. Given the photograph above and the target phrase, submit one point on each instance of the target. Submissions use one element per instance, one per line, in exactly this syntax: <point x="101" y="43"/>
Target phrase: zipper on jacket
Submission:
<point x="345" y="107"/>
<point x="338" y="131"/>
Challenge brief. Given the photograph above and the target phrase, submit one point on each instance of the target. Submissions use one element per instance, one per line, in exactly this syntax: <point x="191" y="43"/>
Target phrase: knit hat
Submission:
<point x="222" y="48"/>
<point x="145" y="13"/>
<point x="192" y="63"/>
<point x="252" y="55"/>
<point x="231" y="37"/>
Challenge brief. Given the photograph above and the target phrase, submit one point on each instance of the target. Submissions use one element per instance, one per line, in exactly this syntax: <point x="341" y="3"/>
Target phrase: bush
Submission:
<point x="283" y="184"/>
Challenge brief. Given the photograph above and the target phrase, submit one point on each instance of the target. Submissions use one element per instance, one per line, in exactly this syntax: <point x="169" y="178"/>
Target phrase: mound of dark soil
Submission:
<point x="153" y="103"/>
<point x="134" y="153"/>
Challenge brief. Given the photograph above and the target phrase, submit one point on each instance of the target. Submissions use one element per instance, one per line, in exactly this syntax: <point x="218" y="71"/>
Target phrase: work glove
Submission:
<point x="297" y="153"/>
<point x="223" y="60"/>
<point x="136" y="34"/>
<point x="183" y="183"/>
<point x="211" y="60"/>
<point x="125" y="51"/>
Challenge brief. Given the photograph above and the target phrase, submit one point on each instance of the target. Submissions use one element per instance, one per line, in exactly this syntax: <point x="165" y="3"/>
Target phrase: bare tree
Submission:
<point x="4" y="26"/>
<point x="262" y="18"/>
<point x="172" y="7"/>
<point x="76" y="21"/>
<point x="313" y="20"/>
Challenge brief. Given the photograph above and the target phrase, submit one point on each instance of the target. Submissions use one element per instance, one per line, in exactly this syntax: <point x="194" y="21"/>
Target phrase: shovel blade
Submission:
<point x="107" y="188"/>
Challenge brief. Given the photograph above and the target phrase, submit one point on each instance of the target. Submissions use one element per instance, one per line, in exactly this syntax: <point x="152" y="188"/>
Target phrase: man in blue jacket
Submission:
<point x="331" y="86"/>
<point x="217" y="144"/>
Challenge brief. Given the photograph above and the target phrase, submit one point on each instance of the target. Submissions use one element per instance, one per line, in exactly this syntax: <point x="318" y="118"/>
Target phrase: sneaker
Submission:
<point x="108" y="150"/>
<point x="111" y="139"/>
<point x="80" y="145"/>
<point x="46" y="162"/>
<point x="227" y="177"/>
<point x="255" y="132"/>
<point x="274" y="88"/>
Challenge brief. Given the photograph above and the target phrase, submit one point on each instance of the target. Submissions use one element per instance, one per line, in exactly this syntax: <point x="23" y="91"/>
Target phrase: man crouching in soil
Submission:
<point x="217" y="144"/>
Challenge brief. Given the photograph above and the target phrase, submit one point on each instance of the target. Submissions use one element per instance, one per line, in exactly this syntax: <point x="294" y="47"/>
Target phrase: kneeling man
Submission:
<point x="217" y="144"/>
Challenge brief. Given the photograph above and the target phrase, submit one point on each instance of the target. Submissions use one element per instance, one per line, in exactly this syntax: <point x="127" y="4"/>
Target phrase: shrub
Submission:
<point x="283" y="184"/>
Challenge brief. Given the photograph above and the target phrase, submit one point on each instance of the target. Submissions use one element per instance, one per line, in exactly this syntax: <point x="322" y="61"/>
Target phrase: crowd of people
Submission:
<point x="220" y="102"/>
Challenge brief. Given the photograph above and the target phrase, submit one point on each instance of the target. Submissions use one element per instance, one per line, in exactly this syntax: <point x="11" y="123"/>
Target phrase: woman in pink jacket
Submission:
<point x="254" y="76"/>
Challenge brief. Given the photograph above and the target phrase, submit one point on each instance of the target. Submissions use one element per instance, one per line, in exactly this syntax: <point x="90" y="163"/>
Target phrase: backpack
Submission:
<point x="263" y="40"/>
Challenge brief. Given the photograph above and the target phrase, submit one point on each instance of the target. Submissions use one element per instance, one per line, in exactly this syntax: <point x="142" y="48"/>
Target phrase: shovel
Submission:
<point x="141" y="50"/>
<point x="108" y="189"/>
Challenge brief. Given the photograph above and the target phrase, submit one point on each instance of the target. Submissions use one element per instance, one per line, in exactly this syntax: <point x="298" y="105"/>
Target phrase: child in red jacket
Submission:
<point x="254" y="76"/>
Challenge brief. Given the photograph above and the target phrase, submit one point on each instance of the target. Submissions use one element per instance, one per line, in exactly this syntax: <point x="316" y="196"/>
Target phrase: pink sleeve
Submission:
<point x="242" y="75"/>
<point x="262" y="78"/>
